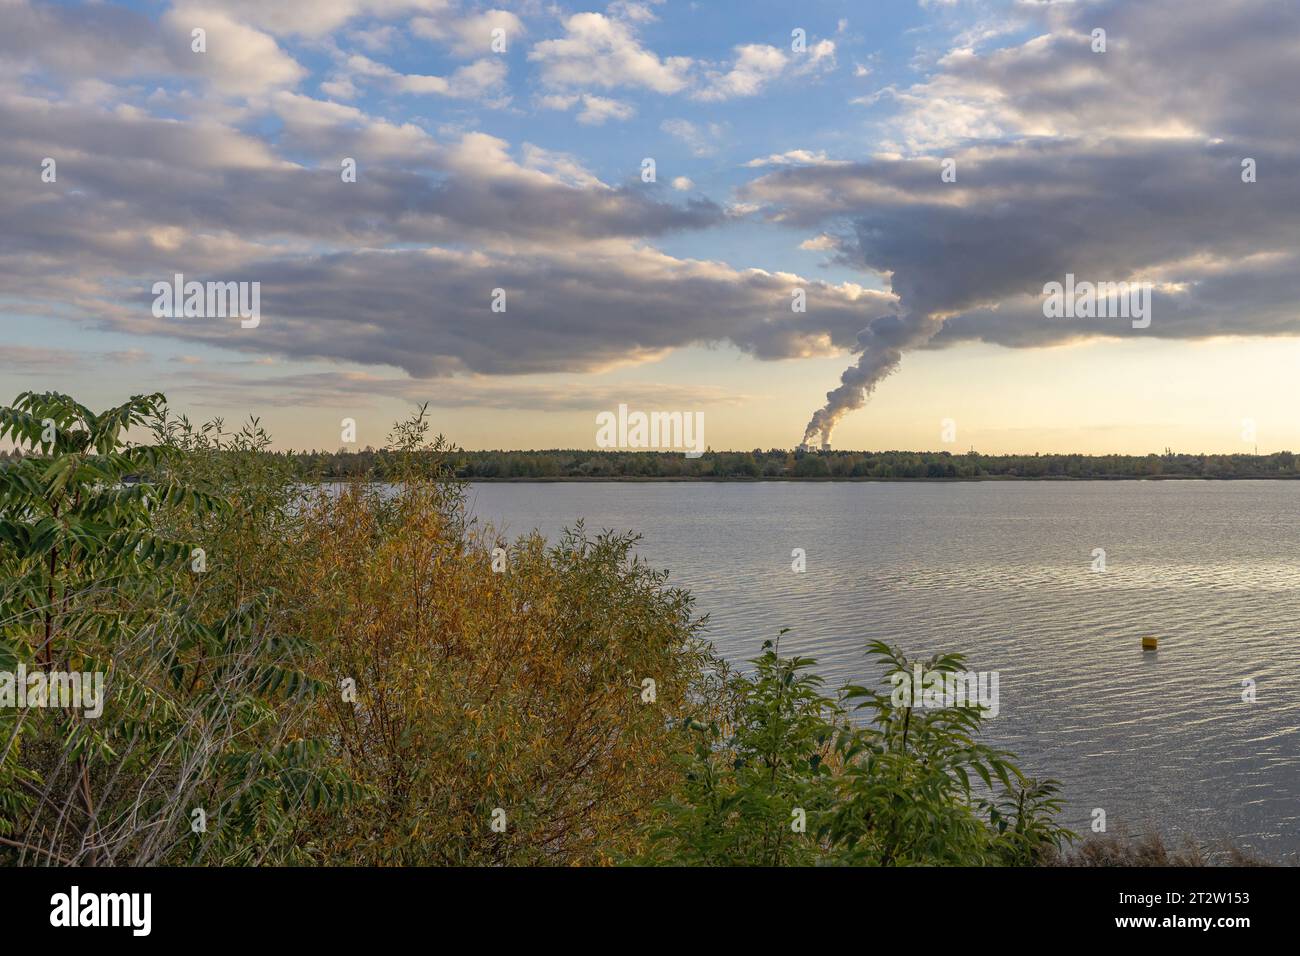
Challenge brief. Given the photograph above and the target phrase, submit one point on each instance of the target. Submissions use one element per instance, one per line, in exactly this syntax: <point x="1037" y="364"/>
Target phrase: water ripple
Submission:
<point x="1003" y="572"/>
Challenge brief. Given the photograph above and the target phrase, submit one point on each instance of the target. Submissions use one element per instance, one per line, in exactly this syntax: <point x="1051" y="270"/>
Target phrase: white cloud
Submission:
<point x="820" y="243"/>
<point x="701" y="140"/>
<point x="470" y="35"/>
<point x="683" y="184"/>
<point x="473" y="81"/>
<point x="376" y="40"/>
<point x="794" y="157"/>
<point x="820" y="56"/>
<point x="628" y="10"/>
<point x="326" y="128"/>
<point x="755" y="65"/>
<point x="558" y="101"/>
<point x="561" y="167"/>
<point x="315" y="18"/>
<point x="599" y="51"/>
<point x="597" y="109"/>
<point x="240" y="60"/>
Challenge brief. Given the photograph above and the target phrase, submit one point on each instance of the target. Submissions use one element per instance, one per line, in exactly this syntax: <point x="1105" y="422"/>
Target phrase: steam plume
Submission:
<point x="882" y="344"/>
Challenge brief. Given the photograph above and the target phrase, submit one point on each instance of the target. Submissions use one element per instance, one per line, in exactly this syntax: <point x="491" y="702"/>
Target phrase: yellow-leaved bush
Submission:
<point x="491" y="715"/>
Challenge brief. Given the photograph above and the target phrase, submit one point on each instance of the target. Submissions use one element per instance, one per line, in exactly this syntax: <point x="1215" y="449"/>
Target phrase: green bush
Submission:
<point x="795" y="781"/>
<point x="104" y="573"/>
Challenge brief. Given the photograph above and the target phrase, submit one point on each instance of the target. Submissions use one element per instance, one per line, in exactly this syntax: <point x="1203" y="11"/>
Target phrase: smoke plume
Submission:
<point x="882" y="344"/>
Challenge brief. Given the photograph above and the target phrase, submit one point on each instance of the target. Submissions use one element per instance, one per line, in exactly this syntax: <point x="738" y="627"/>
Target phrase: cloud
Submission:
<point x="323" y="128"/>
<point x="411" y="188"/>
<point x="638" y="12"/>
<point x="396" y="269"/>
<point x="755" y="65"/>
<point x="822" y="243"/>
<point x="376" y="40"/>
<point x="316" y="18"/>
<point x="587" y="309"/>
<point x="358" y="389"/>
<point x="562" y="167"/>
<point x="29" y="360"/>
<point x="702" y="140"/>
<point x="595" y="109"/>
<point x="1108" y="166"/>
<point x="239" y="61"/>
<point x="377" y="272"/>
<point x="1171" y="211"/>
<point x="597" y="50"/>
<point x="471" y="35"/>
<point x="1124" y="165"/>
<point x="96" y="40"/>
<point x="817" y="58"/>
<point x="1112" y="200"/>
<point x="107" y="42"/>
<point x="473" y="81"/>
<point x="795" y="157"/>
<point x="1149" y="83"/>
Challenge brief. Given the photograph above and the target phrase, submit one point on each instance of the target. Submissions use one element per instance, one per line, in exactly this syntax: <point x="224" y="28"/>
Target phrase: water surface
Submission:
<point x="1002" y="571"/>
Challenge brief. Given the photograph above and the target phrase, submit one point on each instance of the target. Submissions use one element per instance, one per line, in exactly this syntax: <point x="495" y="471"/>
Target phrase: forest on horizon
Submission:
<point x="784" y="464"/>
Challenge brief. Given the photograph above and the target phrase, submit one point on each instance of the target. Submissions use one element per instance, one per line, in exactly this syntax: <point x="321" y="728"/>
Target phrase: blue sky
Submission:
<point x="777" y="169"/>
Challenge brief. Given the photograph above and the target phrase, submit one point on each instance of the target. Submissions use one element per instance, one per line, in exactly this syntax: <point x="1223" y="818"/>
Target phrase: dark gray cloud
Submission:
<point x="1228" y="69"/>
<point x="1025" y="214"/>
<point x="94" y="40"/>
<point x="1116" y="166"/>
<point x="428" y="311"/>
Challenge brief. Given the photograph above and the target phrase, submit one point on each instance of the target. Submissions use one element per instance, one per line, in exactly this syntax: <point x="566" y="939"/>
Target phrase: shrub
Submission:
<point x="194" y="709"/>
<point x="901" y="789"/>
<point x="518" y="689"/>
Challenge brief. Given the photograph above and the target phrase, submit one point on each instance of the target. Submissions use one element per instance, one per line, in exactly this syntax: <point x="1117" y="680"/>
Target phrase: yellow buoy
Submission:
<point x="1149" y="643"/>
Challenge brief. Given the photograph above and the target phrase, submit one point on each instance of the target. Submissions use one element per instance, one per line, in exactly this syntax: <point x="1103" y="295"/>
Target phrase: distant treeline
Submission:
<point x="560" y="465"/>
<point x="783" y="464"/>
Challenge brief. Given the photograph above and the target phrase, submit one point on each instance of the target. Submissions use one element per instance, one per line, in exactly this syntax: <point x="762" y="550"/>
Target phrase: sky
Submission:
<point x="826" y="221"/>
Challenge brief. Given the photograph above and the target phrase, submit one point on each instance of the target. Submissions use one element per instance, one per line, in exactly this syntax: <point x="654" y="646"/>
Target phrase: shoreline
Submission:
<point x="689" y="479"/>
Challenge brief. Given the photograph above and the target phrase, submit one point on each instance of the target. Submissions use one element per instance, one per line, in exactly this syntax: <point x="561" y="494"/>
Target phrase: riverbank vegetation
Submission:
<point x="361" y="674"/>
<point x="778" y="464"/>
<point x="783" y="465"/>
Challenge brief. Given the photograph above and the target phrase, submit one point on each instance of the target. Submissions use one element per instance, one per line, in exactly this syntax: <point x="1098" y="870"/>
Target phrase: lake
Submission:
<point x="1003" y="572"/>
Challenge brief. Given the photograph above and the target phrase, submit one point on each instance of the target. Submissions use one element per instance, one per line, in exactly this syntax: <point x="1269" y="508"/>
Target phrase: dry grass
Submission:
<point x="1149" y="850"/>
